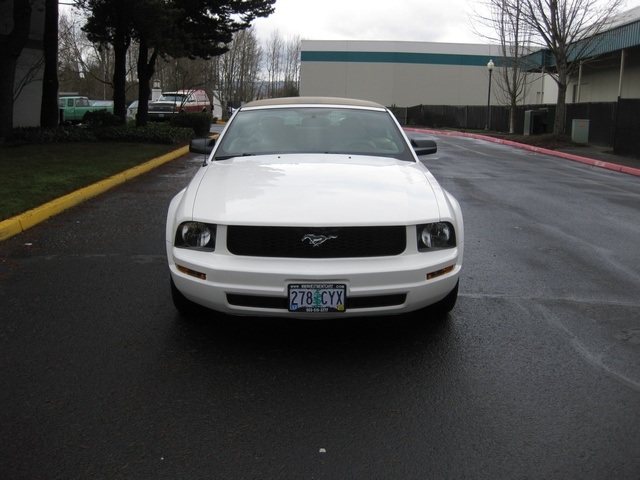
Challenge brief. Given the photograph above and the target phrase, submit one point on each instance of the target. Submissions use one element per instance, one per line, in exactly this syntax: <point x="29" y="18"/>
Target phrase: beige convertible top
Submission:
<point x="313" y="101"/>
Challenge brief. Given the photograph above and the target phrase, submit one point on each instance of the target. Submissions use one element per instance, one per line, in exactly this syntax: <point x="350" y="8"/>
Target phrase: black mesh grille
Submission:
<point x="309" y="242"/>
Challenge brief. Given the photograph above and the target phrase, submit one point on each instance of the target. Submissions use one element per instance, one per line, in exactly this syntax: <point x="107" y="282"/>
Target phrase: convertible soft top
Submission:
<point x="313" y="101"/>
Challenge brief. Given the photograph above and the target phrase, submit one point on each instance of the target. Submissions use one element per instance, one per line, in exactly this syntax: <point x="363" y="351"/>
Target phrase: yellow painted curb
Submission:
<point x="20" y="223"/>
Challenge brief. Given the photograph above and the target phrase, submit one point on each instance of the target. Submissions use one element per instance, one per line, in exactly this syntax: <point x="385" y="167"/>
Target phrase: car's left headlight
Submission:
<point x="196" y="235"/>
<point x="434" y="236"/>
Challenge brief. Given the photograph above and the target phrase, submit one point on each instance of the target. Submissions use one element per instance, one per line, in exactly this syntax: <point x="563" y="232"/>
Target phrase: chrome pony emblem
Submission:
<point x="317" y="240"/>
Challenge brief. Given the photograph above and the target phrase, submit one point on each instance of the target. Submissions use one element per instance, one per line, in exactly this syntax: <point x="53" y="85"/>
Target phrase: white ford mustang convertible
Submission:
<point x="314" y="208"/>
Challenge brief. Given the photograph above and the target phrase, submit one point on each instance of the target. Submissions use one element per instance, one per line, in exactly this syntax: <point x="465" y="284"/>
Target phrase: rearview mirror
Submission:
<point x="424" y="146"/>
<point x="202" y="145"/>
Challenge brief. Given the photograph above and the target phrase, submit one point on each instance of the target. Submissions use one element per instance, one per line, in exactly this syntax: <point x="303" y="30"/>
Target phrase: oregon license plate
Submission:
<point x="317" y="297"/>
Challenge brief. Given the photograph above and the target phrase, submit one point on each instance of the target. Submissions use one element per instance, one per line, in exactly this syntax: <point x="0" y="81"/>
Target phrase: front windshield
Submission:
<point x="313" y="130"/>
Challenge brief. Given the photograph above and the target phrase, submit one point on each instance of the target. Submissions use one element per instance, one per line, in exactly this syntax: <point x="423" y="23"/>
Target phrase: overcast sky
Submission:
<point x="411" y="20"/>
<point x="449" y="21"/>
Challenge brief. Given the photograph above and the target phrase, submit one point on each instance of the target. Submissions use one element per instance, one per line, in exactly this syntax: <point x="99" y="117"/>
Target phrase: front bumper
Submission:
<point x="258" y="286"/>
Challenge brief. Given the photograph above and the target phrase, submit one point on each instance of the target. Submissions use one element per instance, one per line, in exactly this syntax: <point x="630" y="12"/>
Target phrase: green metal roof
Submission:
<point x="615" y="39"/>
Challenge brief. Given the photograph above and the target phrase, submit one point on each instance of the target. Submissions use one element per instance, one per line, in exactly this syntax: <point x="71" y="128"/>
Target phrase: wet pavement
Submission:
<point x="535" y="373"/>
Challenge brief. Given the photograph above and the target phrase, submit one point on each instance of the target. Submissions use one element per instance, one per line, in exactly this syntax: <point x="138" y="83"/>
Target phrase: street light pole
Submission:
<point x="490" y="66"/>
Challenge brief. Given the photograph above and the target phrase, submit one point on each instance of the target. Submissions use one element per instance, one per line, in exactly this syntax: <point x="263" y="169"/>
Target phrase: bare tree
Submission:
<point x="504" y="26"/>
<point x="291" y="67"/>
<point x="69" y="54"/>
<point x="87" y="68"/>
<point x="237" y="71"/>
<point x="84" y="67"/>
<point x="514" y="44"/>
<point x="273" y="63"/>
<point x="570" y="30"/>
<point x="282" y="66"/>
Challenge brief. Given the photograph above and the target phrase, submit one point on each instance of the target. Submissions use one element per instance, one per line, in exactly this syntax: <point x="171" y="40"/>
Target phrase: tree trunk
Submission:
<point x="146" y="69"/>
<point x="513" y="114"/>
<point x="120" y="46"/>
<point x="49" y="111"/>
<point x="561" y="102"/>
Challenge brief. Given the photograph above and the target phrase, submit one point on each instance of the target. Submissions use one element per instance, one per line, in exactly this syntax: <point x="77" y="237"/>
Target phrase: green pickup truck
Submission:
<point x="74" y="108"/>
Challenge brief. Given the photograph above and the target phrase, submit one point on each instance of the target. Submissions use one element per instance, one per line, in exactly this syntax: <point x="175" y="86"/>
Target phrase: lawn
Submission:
<point x="31" y="175"/>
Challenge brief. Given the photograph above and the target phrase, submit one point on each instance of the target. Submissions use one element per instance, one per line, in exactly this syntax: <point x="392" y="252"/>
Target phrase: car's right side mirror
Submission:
<point x="424" y="146"/>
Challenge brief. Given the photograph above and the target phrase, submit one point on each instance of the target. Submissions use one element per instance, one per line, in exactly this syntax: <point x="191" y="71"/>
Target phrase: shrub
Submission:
<point x="33" y="135"/>
<point x="200" y="123"/>
<point x="101" y="118"/>
<point x="151" y="133"/>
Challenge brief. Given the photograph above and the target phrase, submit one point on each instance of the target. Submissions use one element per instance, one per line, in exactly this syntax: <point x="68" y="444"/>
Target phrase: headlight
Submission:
<point x="433" y="236"/>
<point x="197" y="235"/>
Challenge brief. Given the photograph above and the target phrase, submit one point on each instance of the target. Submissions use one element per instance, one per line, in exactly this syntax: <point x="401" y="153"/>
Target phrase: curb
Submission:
<point x="567" y="156"/>
<point x="26" y="220"/>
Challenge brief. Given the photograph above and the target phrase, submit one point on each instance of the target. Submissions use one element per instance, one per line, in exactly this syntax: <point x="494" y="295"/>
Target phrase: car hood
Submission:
<point x="321" y="190"/>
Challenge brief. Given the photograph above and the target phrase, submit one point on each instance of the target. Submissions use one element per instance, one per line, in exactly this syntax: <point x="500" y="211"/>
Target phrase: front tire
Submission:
<point x="185" y="306"/>
<point x="445" y="305"/>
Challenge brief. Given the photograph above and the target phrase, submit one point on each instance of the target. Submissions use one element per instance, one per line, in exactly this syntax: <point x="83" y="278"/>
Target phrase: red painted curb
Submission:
<point x="567" y="156"/>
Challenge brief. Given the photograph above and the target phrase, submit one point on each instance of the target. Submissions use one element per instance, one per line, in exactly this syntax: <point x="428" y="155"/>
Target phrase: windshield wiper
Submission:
<point x="227" y="157"/>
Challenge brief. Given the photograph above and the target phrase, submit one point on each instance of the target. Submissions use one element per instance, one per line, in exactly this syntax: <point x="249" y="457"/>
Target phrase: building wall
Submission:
<point x="398" y="73"/>
<point x="539" y="89"/>
<point x="601" y="79"/>
<point x="26" y="108"/>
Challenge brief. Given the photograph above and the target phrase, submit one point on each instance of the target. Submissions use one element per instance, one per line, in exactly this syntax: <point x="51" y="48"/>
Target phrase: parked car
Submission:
<point x="74" y="108"/>
<point x="181" y="101"/>
<point x="314" y="208"/>
<point x="132" y="110"/>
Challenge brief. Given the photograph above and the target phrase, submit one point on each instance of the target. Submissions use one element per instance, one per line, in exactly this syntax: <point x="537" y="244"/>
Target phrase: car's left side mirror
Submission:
<point x="202" y="145"/>
<point x="424" y="146"/>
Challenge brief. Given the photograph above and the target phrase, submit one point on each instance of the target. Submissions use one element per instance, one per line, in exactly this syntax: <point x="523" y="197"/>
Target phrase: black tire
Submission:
<point x="445" y="305"/>
<point x="185" y="306"/>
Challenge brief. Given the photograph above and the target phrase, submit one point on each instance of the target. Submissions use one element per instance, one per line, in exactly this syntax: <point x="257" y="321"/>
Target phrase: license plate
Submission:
<point x="317" y="297"/>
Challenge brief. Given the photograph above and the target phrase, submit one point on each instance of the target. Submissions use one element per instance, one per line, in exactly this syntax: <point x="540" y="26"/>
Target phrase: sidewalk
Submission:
<point x="590" y="155"/>
<point x="604" y="154"/>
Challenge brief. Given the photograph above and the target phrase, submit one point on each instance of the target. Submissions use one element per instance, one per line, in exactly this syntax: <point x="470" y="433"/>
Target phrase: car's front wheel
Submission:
<point x="185" y="306"/>
<point x="444" y="306"/>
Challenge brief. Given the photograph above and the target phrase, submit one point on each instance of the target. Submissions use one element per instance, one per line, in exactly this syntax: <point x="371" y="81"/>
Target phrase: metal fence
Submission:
<point x="615" y="124"/>
<point x="626" y="139"/>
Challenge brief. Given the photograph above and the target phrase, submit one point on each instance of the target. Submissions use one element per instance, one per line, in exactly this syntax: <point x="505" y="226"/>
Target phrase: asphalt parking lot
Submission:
<point x="535" y="374"/>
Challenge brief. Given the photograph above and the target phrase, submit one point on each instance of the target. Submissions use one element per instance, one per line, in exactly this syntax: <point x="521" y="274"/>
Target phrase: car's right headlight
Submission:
<point x="196" y="235"/>
<point x="434" y="236"/>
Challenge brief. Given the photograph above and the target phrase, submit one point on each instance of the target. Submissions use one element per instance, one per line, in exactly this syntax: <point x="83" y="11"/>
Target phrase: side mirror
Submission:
<point x="424" y="146"/>
<point x="202" y="145"/>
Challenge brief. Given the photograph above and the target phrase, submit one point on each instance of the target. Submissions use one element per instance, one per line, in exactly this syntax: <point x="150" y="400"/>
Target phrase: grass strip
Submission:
<point x="31" y="175"/>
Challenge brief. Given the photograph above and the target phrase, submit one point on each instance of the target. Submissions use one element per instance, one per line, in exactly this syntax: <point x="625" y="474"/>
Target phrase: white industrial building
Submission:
<point x="405" y="74"/>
